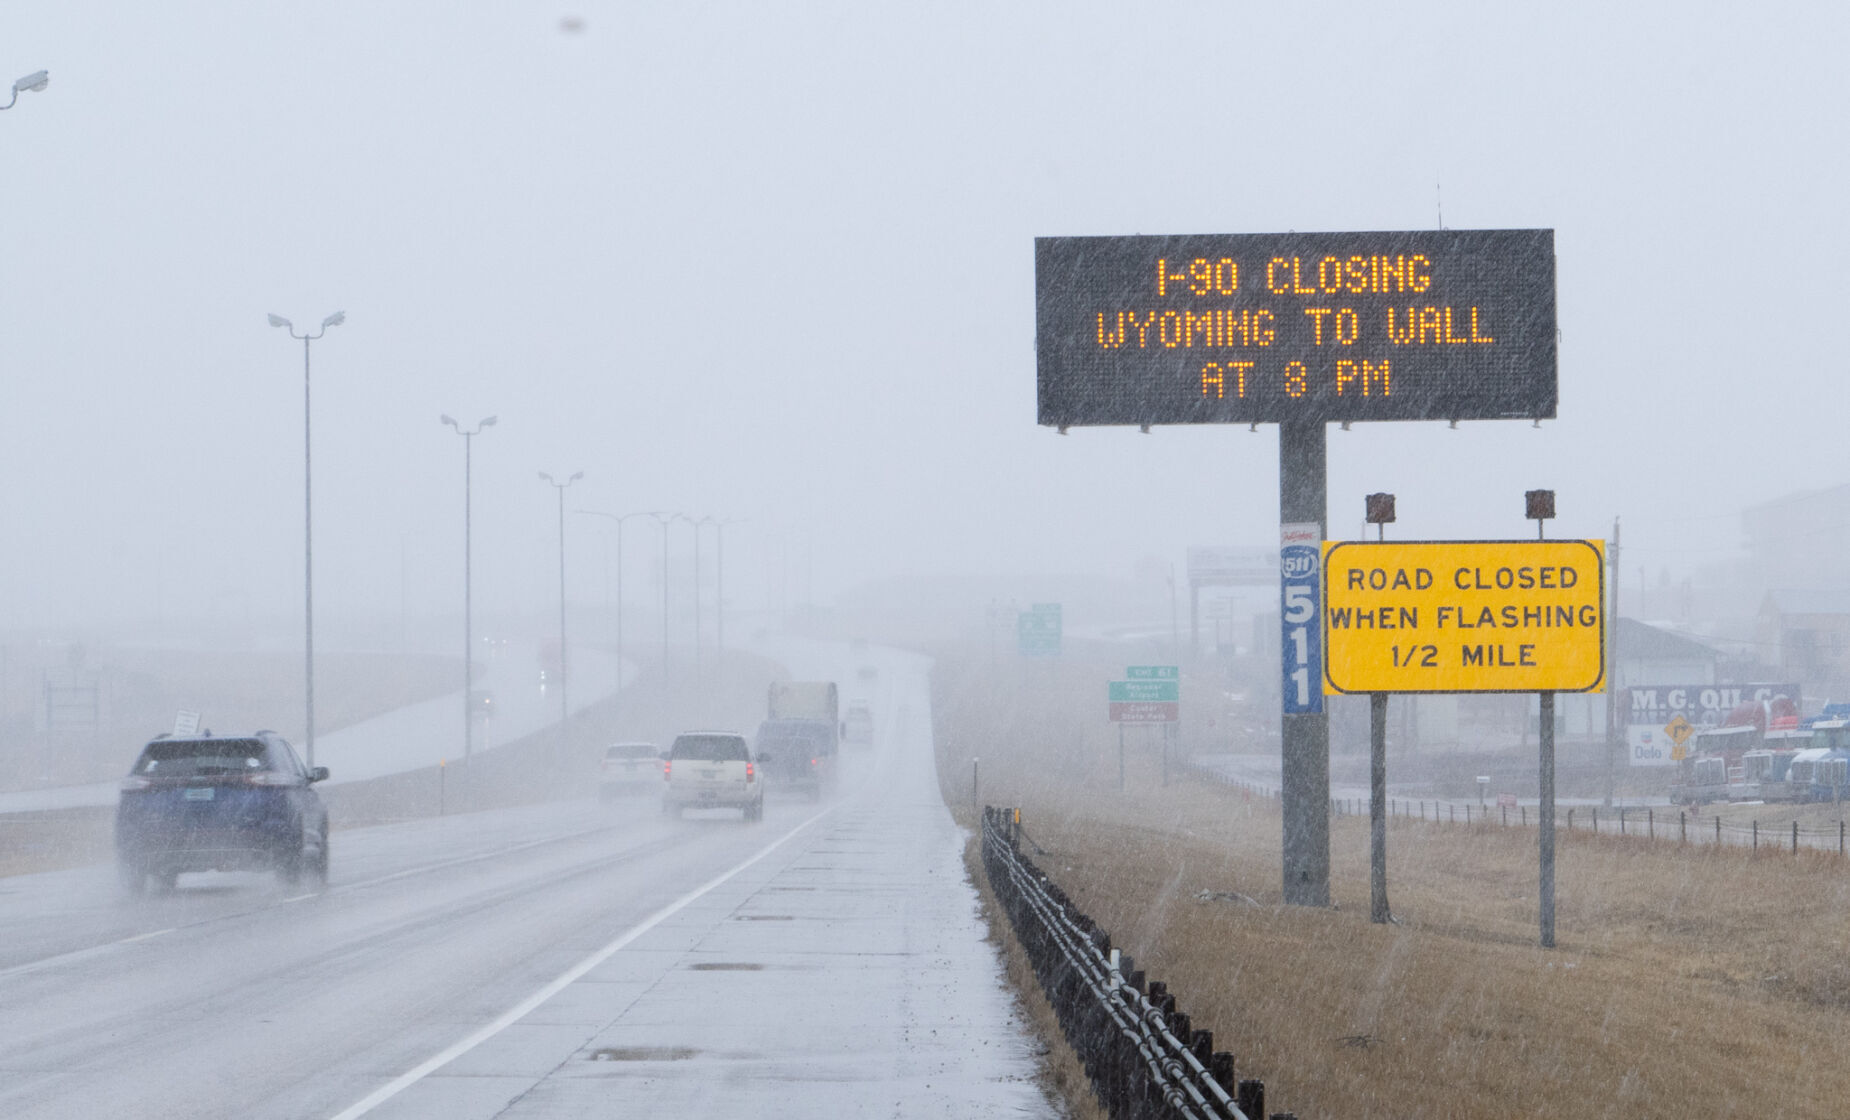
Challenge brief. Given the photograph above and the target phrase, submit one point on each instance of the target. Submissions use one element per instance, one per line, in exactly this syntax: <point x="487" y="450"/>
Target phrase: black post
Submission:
<point x="1250" y="1098"/>
<point x="1304" y="786"/>
<point x="1377" y="807"/>
<point x="1546" y="818"/>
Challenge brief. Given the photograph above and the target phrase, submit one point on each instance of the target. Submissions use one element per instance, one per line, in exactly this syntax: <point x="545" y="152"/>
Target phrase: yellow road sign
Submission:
<point x="1679" y="730"/>
<point x="1464" y="616"/>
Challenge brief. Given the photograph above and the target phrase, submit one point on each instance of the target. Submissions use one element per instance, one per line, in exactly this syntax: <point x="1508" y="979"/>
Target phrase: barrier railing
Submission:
<point x="1145" y="1058"/>
<point x="1664" y="824"/>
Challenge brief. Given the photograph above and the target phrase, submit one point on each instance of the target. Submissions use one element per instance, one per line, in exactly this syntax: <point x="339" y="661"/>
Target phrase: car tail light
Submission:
<point x="134" y="784"/>
<point x="812" y="762"/>
<point x="748" y="771"/>
<point x="665" y="765"/>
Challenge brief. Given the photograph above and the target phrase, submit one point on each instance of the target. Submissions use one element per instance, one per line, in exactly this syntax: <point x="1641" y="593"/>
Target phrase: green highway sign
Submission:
<point x="1152" y="673"/>
<point x="1037" y="630"/>
<point x="1144" y="692"/>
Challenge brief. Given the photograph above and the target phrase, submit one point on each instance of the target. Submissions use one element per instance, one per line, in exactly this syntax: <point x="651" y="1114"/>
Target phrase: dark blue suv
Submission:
<point x="220" y="804"/>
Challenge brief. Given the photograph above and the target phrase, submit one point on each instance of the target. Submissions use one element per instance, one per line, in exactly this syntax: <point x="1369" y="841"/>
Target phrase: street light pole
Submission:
<point x="308" y="514"/>
<point x="664" y="520"/>
<point x="33" y="83"/>
<point x="620" y="518"/>
<point x="564" y="669"/>
<point x="468" y="598"/>
<point x="719" y="594"/>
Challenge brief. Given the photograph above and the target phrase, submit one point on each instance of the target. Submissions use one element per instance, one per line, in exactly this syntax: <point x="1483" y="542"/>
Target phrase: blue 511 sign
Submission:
<point x="1300" y="613"/>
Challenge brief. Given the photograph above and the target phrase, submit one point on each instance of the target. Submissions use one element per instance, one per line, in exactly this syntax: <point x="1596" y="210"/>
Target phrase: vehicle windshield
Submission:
<point x="186" y="758"/>
<point x="711" y="748"/>
<point x="1831" y="737"/>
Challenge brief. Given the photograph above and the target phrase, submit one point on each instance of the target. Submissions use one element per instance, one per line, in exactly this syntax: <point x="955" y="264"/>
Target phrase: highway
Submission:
<point x="574" y="959"/>
<point x="416" y="736"/>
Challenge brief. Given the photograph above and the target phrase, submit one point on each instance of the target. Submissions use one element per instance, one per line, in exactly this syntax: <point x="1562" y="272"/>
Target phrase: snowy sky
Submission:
<point x="775" y="262"/>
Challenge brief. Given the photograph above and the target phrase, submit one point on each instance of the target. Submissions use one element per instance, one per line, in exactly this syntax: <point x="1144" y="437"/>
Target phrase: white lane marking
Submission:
<point x="96" y="950"/>
<point x="520" y="1010"/>
<point x="76" y="955"/>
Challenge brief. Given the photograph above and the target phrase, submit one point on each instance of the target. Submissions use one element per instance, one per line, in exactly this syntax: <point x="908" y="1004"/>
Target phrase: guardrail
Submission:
<point x="1638" y="822"/>
<point x="1145" y="1059"/>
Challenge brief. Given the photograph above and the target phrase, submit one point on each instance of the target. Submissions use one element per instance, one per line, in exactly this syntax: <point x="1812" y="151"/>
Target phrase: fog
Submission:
<point x="775" y="263"/>
<point x="772" y="266"/>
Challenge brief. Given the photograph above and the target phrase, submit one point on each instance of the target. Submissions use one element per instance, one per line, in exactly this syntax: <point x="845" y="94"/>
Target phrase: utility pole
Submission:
<point x="1615" y="716"/>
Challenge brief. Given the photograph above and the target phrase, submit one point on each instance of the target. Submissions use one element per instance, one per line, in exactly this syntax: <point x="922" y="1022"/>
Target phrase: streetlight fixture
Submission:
<point x="34" y="82"/>
<point x="564" y="674"/>
<point x="308" y="510"/>
<point x="620" y="518"/>
<point x="468" y="600"/>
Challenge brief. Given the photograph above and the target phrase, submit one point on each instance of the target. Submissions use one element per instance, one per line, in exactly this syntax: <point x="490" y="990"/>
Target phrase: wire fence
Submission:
<point x="1145" y="1059"/>
<point x="1645" y="822"/>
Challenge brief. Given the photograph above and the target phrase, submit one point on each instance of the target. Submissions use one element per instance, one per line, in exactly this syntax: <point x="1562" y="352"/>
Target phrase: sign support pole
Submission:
<point x="1548" y="819"/>
<point x="1304" y="785"/>
<point x="1194" y="616"/>
<point x="1120" y="756"/>
<point x="1377" y="808"/>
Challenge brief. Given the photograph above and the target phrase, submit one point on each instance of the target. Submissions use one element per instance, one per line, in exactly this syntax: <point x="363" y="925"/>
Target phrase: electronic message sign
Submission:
<point x="1464" y="616"/>
<point x="1238" y="328"/>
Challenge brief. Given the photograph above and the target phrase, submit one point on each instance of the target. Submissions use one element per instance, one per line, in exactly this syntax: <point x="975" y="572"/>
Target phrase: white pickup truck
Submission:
<point x="712" y="770"/>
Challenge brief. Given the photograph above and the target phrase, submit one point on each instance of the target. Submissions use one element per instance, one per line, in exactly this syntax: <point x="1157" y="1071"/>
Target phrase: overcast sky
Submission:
<point x="775" y="262"/>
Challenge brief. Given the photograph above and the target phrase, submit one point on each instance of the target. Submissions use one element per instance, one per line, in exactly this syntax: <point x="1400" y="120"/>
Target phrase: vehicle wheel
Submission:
<point x="166" y="881"/>
<point x="134" y="878"/>
<point x="319" y="867"/>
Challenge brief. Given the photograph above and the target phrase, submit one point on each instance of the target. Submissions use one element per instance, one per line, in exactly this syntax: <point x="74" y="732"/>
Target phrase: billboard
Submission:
<point x="1651" y="709"/>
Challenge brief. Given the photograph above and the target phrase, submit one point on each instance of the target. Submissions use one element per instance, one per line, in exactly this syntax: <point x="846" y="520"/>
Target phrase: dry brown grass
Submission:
<point x="1686" y="981"/>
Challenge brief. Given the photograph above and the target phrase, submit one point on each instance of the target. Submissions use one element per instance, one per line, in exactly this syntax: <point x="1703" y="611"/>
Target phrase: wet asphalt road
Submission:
<point x="576" y="959"/>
